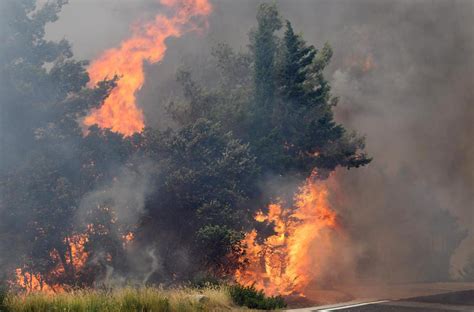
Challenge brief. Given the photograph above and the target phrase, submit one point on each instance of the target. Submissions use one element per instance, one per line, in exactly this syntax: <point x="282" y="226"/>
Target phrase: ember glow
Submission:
<point x="286" y="262"/>
<point x="127" y="239"/>
<point x="120" y="112"/>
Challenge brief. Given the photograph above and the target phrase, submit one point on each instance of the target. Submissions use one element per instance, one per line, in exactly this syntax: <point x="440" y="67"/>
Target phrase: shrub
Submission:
<point x="202" y="280"/>
<point x="252" y="298"/>
<point x="3" y="297"/>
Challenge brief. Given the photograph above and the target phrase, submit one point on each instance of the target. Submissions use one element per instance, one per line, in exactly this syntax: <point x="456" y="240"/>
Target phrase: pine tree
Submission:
<point x="296" y="67"/>
<point x="264" y="46"/>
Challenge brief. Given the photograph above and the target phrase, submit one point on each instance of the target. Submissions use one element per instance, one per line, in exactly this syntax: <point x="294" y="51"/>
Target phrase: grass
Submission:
<point x="124" y="300"/>
<point x="146" y="299"/>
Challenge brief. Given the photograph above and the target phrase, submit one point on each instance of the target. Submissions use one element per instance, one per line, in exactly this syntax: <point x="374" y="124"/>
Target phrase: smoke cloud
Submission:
<point x="125" y="196"/>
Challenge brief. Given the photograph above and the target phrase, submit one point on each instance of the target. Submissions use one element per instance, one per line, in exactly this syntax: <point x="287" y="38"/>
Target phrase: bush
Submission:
<point x="202" y="280"/>
<point x="252" y="298"/>
<point x="3" y="297"/>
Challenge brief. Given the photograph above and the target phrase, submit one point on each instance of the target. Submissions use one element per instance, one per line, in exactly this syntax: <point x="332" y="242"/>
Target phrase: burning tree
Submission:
<point x="71" y="210"/>
<point x="285" y="114"/>
<point x="49" y="165"/>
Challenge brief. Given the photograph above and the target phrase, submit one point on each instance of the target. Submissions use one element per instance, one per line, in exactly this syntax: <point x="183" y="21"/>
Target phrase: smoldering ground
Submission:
<point x="404" y="72"/>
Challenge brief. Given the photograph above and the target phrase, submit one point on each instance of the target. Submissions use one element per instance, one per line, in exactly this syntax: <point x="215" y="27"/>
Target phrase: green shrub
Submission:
<point x="203" y="280"/>
<point x="252" y="298"/>
<point x="3" y="297"/>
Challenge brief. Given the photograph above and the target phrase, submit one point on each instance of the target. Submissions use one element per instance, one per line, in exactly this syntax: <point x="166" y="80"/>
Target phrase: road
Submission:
<point x="437" y="297"/>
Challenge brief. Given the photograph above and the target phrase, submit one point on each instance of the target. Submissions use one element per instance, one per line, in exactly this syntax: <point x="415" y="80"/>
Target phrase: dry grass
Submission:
<point x="125" y="300"/>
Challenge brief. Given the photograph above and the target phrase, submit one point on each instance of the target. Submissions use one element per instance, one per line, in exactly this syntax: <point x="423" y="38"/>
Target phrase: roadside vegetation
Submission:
<point x="211" y="298"/>
<point x="249" y="296"/>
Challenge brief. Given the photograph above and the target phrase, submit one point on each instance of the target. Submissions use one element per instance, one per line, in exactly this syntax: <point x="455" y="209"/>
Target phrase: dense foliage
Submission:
<point x="188" y="193"/>
<point x="252" y="298"/>
<point x="284" y="111"/>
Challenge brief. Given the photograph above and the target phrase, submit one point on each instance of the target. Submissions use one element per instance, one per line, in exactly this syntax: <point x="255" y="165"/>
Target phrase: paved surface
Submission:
<point x="450" y="297"/>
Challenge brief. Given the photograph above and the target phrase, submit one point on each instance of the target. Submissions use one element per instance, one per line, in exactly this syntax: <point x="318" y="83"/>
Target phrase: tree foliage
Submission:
<point x="43" y="152"/>
<point x="285" y="111"/>
<point x="206" y="177"/>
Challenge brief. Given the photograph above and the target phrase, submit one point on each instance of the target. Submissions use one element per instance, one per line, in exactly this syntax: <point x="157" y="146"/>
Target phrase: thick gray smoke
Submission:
<point x="126" y="195"/>
<point x="405" y="73"/>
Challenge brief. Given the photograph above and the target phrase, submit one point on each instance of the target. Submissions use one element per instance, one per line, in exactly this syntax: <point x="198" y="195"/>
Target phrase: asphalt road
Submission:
<point x="453" y="301"/>
<point x="442" y="301"/>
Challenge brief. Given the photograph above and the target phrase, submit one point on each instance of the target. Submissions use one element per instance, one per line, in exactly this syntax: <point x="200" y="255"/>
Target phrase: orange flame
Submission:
<point x="33" y="282"/>
<point x="76" y="258"/>
<point x="78" y="255"/>
<point x="285" y="263"/>
<point x="127" y="239"/>
<point x="147" y="44"/>
<point x="68" y="266"/>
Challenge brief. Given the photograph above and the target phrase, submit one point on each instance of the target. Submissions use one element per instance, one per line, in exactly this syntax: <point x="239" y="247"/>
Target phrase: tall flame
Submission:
<point x="120" y="112"/>
<point x="285" y="263"/>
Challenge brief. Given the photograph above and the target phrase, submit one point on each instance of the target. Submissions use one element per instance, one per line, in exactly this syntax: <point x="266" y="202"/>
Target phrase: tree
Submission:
<point x="287" y="119"/>
<point x="28" y="89"/>
<point x="263" y="45"/>
<point x="274" y="99"/>
<point x="270" y="113"/>
<point x="205" y="180"/>
<point x="304" y="132"/>
<point x="46" y="164"/>
<point x="295" y="68"/>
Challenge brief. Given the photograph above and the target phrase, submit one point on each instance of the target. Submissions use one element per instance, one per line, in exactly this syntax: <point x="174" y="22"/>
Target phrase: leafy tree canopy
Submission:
<point x="285" y="111"/>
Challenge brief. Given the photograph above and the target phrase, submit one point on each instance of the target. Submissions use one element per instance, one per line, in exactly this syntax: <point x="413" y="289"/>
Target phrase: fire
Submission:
<point x="72" y="263"/>
<point x="67" y="267"/>
<point x="77" y="255"/>
<point x="120" y="112"/>
<point x="33" y="282"/>
<point x="127" y="239"/>
<point x="285" y="263"/>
